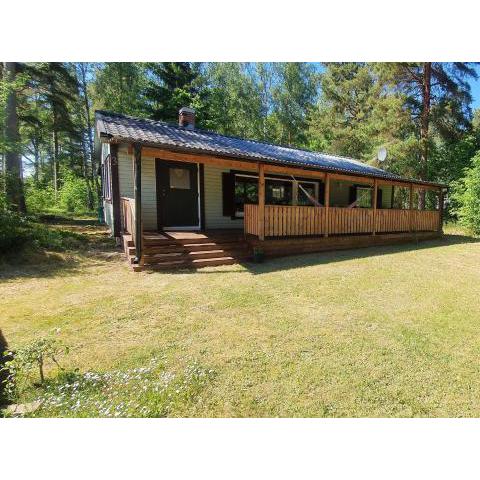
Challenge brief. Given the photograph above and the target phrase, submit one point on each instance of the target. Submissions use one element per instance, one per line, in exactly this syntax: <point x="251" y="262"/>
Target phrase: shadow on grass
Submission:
<point x="321" y="258"/>
<point x="53" y="219"/>
<point x="75" y="248"/>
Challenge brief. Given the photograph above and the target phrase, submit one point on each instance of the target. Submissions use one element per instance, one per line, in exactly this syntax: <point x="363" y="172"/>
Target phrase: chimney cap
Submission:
<point x="187" y="110"/>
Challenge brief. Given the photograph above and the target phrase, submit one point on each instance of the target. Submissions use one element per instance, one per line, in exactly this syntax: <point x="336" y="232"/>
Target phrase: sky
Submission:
<point x="475" y="86"/>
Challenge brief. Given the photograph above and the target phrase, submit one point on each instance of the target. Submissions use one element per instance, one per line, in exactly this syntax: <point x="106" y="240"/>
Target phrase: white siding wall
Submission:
<point x="149" y="195"/>
<point x="214" y="200"/>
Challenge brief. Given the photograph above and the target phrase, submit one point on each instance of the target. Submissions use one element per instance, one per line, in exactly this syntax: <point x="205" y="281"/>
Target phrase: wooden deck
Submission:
<point x="186" y="249"/>
<point x="278" y="247"/>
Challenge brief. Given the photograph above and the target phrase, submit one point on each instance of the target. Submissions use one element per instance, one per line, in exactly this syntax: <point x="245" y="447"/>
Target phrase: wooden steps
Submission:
<point x="198" y="263"/>
<point x="174" y="250"/>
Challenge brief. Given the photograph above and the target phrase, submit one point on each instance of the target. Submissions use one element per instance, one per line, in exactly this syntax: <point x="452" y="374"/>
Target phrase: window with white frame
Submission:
<point x="107" y="178"/>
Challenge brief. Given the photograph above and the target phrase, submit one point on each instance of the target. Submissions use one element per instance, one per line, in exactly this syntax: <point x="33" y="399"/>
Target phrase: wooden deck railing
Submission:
<point x="350" y="220"/>
<point x="127" y="211"/>
<point x="426" y="220"/>
<point x="288" y="221"/>
<point x="250" y="219"/>
<point x="394" y="220"/>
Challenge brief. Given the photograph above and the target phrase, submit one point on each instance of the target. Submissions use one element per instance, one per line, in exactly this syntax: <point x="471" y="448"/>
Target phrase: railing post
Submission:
<point x="327" y="202"/>
<point x="261" y="201"/>
<point x="294" y="192"/>
<point x="411" y="207"/>
<point x="137" y="170"/>
<point x="375" y="196"/>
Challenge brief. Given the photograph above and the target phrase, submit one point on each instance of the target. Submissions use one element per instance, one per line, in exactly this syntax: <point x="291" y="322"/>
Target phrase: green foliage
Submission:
<point x="40" y="236"/>
<point x="19" y="231"/>
<point x="356" y="115"/>
<point x="263" y="101"/>
<point x="13" y="228"/>
<point x="39" y="198"/>
<point x="294" y="95"/>
<point x="73" y="195"/>
<point x="28" y="363"/>
<point x="149" y="391"/>
<point x="466" y="194"/>
<point x="170" y="86"/>
<point x="449" y="159"/>
<point x="232" y="104"/>
<point x="120" y="87"/>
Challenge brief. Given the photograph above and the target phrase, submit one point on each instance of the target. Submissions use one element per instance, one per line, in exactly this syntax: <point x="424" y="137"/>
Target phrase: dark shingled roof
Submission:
<point x="124" y="128"/>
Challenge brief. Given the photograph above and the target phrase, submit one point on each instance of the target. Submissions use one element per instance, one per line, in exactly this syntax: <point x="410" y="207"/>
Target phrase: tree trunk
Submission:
<point x="13" y="160"/>
<point x="36" y="161"/>
<point x="424" y="126"/>
<point x="55" y="158"/>
<point x="86" y="177"/>
<point x="84" y="86"/>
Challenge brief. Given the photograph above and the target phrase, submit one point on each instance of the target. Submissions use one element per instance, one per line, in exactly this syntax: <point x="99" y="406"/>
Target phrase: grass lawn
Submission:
<point x="384" y="331"/>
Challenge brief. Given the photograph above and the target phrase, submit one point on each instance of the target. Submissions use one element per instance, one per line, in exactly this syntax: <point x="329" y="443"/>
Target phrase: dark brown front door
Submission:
<point x="177" y="194"/>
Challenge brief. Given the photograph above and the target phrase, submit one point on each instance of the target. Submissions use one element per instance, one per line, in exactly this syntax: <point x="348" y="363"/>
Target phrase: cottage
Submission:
<point x="175" y="195"/>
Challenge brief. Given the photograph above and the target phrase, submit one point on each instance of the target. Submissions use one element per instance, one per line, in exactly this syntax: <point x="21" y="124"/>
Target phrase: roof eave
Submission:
<point x="269" y="160"/>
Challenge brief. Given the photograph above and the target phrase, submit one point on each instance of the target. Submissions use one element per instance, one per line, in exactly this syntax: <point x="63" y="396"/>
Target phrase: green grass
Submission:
<point x="385" y="331"/>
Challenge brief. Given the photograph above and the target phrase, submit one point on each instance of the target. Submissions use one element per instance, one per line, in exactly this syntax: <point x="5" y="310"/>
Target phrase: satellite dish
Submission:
<point x="382" y="154"/>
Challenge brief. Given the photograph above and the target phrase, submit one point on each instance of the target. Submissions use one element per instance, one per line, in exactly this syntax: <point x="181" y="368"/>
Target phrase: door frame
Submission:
<point x="200" y="200"/>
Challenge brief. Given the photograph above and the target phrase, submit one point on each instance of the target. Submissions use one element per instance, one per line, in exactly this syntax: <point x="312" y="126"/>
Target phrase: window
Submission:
<point x="278" y="192"/>
<point x="246" y="191"/>
<point x="107" y="178"/>
<point x="401" y="198"/>
<point x="180" y="178"/>
<point x="303" y="199"/>
<point x="364" y="197"/>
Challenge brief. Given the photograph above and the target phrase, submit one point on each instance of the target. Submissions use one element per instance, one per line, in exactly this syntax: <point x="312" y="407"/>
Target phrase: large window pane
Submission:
<point x="303" y="199"/>
<point x="278" y="192"/>
<point x="246" y="191"/>
<point x="364" y="197"/>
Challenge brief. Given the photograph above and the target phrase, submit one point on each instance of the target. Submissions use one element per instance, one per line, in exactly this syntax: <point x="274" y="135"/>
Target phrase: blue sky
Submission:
<point x="475" y="86"/>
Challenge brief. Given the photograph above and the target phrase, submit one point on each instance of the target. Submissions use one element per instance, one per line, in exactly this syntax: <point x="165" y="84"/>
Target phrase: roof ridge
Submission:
<point x="178" y="127"/>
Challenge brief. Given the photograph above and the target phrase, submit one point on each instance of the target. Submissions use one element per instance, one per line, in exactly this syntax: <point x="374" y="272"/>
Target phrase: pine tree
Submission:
<point x="84" y="72"/>
<point x="170" y="86"/>
<point x="58" y="87"/>
<point x="437" y="95"/>
<point x="13" y="161"/>
<point x="356" y="114"/>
